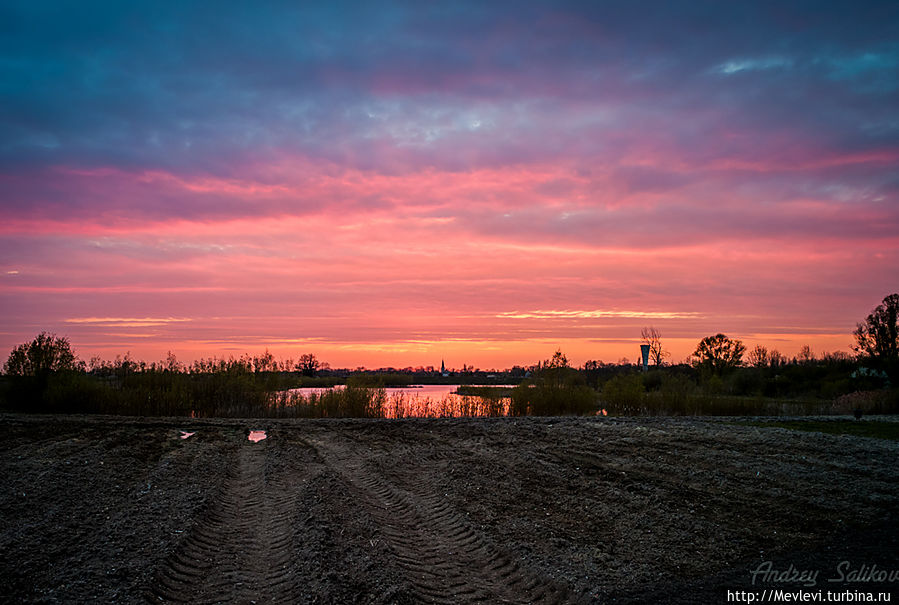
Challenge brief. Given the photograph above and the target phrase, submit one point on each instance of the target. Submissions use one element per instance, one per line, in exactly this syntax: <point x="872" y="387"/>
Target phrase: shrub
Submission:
<point x="552" y="400"/>
<point x="624" y="394"/>
<point x="555" y="389"/>
<point x="676" y="392"/>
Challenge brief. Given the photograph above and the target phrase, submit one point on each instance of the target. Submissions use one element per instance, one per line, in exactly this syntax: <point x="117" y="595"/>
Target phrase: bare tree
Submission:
<point x="172" y="364"/>
<point x="308" y="364"/>
<point x="653" y="338"/>
<point x="776" y="359"/>
<point x="265" y="363"/>
<point x="558" y="361"/>
<point x="806" y="355"/>
<point x="592" y="364"/>
<point x="759" y="357"/>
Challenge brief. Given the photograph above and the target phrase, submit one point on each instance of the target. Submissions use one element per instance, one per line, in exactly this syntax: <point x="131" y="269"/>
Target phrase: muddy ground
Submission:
<point x="606" y="510"/>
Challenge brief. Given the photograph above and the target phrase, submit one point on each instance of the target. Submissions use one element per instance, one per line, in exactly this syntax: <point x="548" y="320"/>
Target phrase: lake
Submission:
<point x="429" y="401"/>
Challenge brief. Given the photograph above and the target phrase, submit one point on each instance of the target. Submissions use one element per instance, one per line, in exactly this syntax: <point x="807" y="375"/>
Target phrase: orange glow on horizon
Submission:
<point x="485" y="355"/>
<point x="491" y="267"/>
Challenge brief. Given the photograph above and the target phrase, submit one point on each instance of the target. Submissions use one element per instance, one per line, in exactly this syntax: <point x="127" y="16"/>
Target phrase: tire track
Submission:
<point x="445" y="559"/>
<point x="241" y="549"/>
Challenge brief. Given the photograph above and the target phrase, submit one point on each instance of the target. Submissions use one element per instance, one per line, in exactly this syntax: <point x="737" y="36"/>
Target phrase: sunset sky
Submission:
<point x="396" y="183"/>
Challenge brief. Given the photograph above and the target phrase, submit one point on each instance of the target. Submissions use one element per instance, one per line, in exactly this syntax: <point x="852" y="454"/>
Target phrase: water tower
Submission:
<point x="644" y="353"/>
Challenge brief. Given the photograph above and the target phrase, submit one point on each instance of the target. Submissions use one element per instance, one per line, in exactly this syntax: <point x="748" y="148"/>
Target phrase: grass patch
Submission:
<point x="485" y="392"/>
<point x="875" y="429"/>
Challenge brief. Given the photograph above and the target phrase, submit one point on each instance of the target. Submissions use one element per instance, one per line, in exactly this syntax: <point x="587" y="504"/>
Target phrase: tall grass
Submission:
<point x="258" y="387"/>
<point x="208" y="388"/>
<point x="349" y="402"/>
<point x="553" y="391"/>
<point x="676" y="395"/>
<point x="226" y="390"/>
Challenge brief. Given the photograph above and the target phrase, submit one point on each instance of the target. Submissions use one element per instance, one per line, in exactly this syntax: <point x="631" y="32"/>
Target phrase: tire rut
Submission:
<point x="241" y="549"/>
<point x="444" y="558"/>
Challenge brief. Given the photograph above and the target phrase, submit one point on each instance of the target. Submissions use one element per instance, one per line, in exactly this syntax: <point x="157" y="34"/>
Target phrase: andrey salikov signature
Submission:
<point x="765" y="573"/>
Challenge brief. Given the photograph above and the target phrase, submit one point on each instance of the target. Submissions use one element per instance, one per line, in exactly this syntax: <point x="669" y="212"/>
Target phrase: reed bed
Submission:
<point x="235" y="388"/>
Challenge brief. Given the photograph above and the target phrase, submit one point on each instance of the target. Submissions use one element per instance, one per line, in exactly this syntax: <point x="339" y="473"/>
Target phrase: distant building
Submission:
<point x="443" y="371"/>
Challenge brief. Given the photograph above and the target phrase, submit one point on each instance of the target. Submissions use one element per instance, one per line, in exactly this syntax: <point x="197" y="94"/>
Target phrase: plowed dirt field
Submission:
<point x="558" y="510"/>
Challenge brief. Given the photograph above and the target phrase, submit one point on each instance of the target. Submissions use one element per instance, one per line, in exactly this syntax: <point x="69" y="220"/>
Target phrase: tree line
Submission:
<point x="46" y="375"/>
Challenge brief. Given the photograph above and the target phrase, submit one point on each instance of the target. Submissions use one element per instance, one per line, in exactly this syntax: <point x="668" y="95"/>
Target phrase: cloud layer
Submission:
<point x="390" y="180"/>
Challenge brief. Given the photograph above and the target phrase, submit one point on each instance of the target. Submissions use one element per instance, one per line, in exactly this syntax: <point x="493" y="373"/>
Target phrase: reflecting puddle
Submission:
<point x="257" y="436"/>
<point x="185" y="434"/>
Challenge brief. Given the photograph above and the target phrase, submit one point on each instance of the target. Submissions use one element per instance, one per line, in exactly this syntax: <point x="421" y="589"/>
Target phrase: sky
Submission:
<point x="400" y="183"/>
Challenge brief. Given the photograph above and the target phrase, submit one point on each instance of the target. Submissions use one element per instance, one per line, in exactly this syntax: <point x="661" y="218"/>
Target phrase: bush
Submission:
<point x="552" y="400"/>
<point x="868" y="402"/>
<point x="624" y="394"/>
<point x="555" y="389"/>
<point x="676" y="392"/>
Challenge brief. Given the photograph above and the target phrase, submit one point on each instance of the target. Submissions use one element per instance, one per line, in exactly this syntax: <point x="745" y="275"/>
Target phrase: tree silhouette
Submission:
<point x="653" y="338"/>
<point x="558" y="360"/>
<point x="307" y="364"/>
<point x="806" y="355"/>
<point x="877" y="337"/>
<point x="718" y="354"/>
<point x="759" y="357"/>
<point x="555" y="388"/>
<point x="45" y="354"/>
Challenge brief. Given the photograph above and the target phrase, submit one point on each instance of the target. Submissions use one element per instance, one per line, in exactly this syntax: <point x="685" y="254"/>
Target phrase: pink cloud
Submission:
<point x="303" y="255"/>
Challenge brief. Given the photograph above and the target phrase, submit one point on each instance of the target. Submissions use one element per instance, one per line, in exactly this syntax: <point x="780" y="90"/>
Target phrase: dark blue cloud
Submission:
<point x="202" y="86"/>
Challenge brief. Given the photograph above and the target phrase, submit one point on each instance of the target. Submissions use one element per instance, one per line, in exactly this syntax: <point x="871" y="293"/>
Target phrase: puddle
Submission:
<point x="257" y="436"/>
<point x="185" y="434"/>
